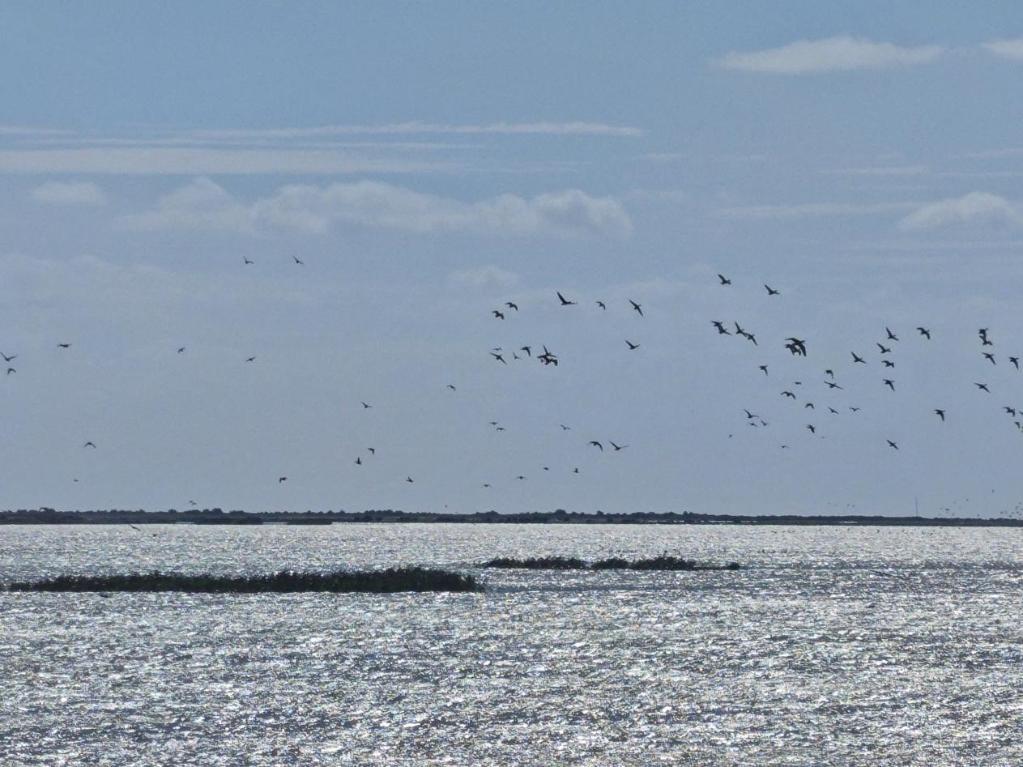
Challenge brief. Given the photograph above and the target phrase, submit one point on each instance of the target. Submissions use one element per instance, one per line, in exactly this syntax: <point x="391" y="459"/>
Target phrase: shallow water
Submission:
<point x="837" y="645"/>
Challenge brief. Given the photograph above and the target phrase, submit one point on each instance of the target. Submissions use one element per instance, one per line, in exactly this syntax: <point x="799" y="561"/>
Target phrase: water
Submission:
<point x="846" y="646"/>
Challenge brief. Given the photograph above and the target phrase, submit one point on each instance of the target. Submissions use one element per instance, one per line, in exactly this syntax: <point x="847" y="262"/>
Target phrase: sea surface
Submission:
<point x="833" y="646"/>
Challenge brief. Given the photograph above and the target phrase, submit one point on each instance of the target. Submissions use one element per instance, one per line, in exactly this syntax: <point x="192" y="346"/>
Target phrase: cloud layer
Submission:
<point x="204" y="205"/>
<point x="831" y="54"/>
<point x="1007" y="49"/>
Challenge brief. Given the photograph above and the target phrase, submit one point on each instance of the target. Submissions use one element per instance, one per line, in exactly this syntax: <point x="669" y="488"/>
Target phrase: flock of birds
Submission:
<point x="885" y="359"/>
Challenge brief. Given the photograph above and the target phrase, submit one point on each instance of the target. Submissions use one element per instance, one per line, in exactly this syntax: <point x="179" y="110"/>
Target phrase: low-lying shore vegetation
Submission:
<point x="283" y="582"/>
<point x="662" y="562"/>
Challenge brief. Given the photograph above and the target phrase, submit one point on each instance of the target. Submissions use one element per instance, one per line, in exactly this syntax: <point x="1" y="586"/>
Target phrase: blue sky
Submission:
<point x="428" y="163"/>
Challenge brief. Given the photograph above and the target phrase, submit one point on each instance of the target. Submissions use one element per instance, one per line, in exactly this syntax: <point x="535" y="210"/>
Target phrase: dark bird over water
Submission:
<point x="564" y="301"/>
<point x="989" y="357"/>
<point x="1015" y="362"/>
<point x="764" y="368"/>
<point x="888" y="363"/>
<point x="790" y="395"/>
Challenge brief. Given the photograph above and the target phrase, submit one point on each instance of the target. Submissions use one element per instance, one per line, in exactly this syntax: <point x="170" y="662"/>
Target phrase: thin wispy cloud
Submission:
<point x="832" y="54"/>
<point x="575" y="128"/>
<point x="205" y="205"/>
<point x="1006" y="49"/>
<point x="198" y="161"/>
<point x="975" y="209"/>
<point x="69" y="193"/>
<point x="483" y="278"/>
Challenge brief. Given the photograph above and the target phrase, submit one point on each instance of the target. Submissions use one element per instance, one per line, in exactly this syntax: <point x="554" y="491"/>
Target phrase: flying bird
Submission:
<point x="1015" y="362"/>
<point x="832" y="385"/>
<point x="632" y="346"/>
<point x="721" y="328"/>
<point x="602" y="305"/>
<point x="497" y="314"/>
<point x="358" y="461"/>
<point x="637" y="307"/>
<point x="790" y="395"/>
<point x="989" y="357"/>
<point x="11" y="370"/>
<point x="365" y="405"/>
<point x="764" y="368"/>
<point x="595" y="443"/>
<point x="796" y="345"/>
<point x="511" y="305"/>
<point x="889" y="383"/>
<point x="892" y="445"/>
<point x="181" y="350"/>
<point x="888" y="363"/>
<point x="940" y="413"/>
<point x="7" y="358"/>
<point x="281" y="479"/>
<point x="884" y="349"/>
<point x="250" y="359"/>
<point x="771" y="291"/>
<point x="246" y="260"/>
<point x="564" y="301"/>
<point x="298" y="261"/>
<point x="452" y="387"/>
<point x="724" y="280"/>
<point x="409" y="480"/>
<point x="982" y="387"/>
<point x="498" y="357"/>
<point x="857" y="358"/>
<point x="89" y="444"/>
<point x="924" y="332"/>
<point x="527" y="349"/>
<point x="891" y="335"/>
<point x="617" y="447"/>
<point x="812" y="428"/>
<point x="64" y="346"/>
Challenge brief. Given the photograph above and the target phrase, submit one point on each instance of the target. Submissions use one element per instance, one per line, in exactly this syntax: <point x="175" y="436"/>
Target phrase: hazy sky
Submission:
<point x="430" y="161"/>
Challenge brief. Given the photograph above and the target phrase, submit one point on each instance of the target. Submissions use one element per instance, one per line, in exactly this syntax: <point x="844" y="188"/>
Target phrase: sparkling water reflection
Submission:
<point x="835" y="646"/>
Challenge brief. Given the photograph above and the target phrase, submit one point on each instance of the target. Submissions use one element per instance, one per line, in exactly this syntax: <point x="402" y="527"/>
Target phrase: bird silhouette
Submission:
<point x="499" y="357"/>
<point x="889" y="383"/>
<point x="632" y="346"/>
<point x="721" y="328"/>
<point x="989" y="357"/>
<point x="564" y="301"/>
<point x="771" y="291"/>
<point x="1015" y="362"/>
<point x="281" y="479"/>
<point x="250" y="359"/>
<point x="409" y="480"/>
<point x="884" y="349"/>
<point x="89" y="444"/>
<point x="298" y="261"/>
<point x="796" y="345"/>
<point x="812" y="428"/>
<point x="247" y="261"/>
<point x="358" y="461"/>
<point x="365" y="405"/>
<point x="940" y="413"/>
<point x="372" y="450"/>
<point x="64" y="346"/>
<point x="565" y="428"/>
<point x="452" y="387"/>
<point x="832" y="385"/>
<point x="790" y="395"/>
<point x="527" y="349"/>
<point x="924" y="332"/>
<point x="636" y="307"/>
<point x="181" y="350"/>
<point x="595" y="443"/>
<point x="888" y="363"/>
<point x="764" y="368"/>
<point x="724" y="280"/>
<point x="602" y="305"/>
<point x="617" y="447"/>
<point x="497" y="314"/>
<point x="8" y="358"/>
<point x="892" y="445"/>
<point x="890" y="334"/>
<point x="982" y="387"/>
<point x="511" y="305"/>
<point x="857" y="358"/>
<point x="11" y="370"/>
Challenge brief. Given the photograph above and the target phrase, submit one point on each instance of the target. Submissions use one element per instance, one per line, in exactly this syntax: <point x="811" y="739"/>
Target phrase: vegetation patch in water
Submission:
<point x="662" y="562"/>
<point x="285" y="581"/>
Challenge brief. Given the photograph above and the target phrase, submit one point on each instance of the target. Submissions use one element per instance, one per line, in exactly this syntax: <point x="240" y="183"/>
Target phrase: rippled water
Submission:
<point x="845" y="646"/>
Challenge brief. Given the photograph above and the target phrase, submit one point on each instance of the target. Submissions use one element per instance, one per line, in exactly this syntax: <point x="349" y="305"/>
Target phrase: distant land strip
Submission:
<point x="216" y="516"/>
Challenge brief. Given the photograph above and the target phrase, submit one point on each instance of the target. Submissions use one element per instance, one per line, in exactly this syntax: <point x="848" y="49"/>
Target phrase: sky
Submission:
<point x="428" y="163"/>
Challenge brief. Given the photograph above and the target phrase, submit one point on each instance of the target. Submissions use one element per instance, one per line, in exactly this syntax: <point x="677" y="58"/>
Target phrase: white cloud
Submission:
<point x="69" y="193"/>
<point x="199" y="205"/>
<point x="1007" y="49"/>
<point x="576" y="128"/>
<point x="197" y="161"/>
<point x="832" y="54"/>
<point x="202" y="204"/>
<point x="975" y="208"/>
<point x="483" y="277"/>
